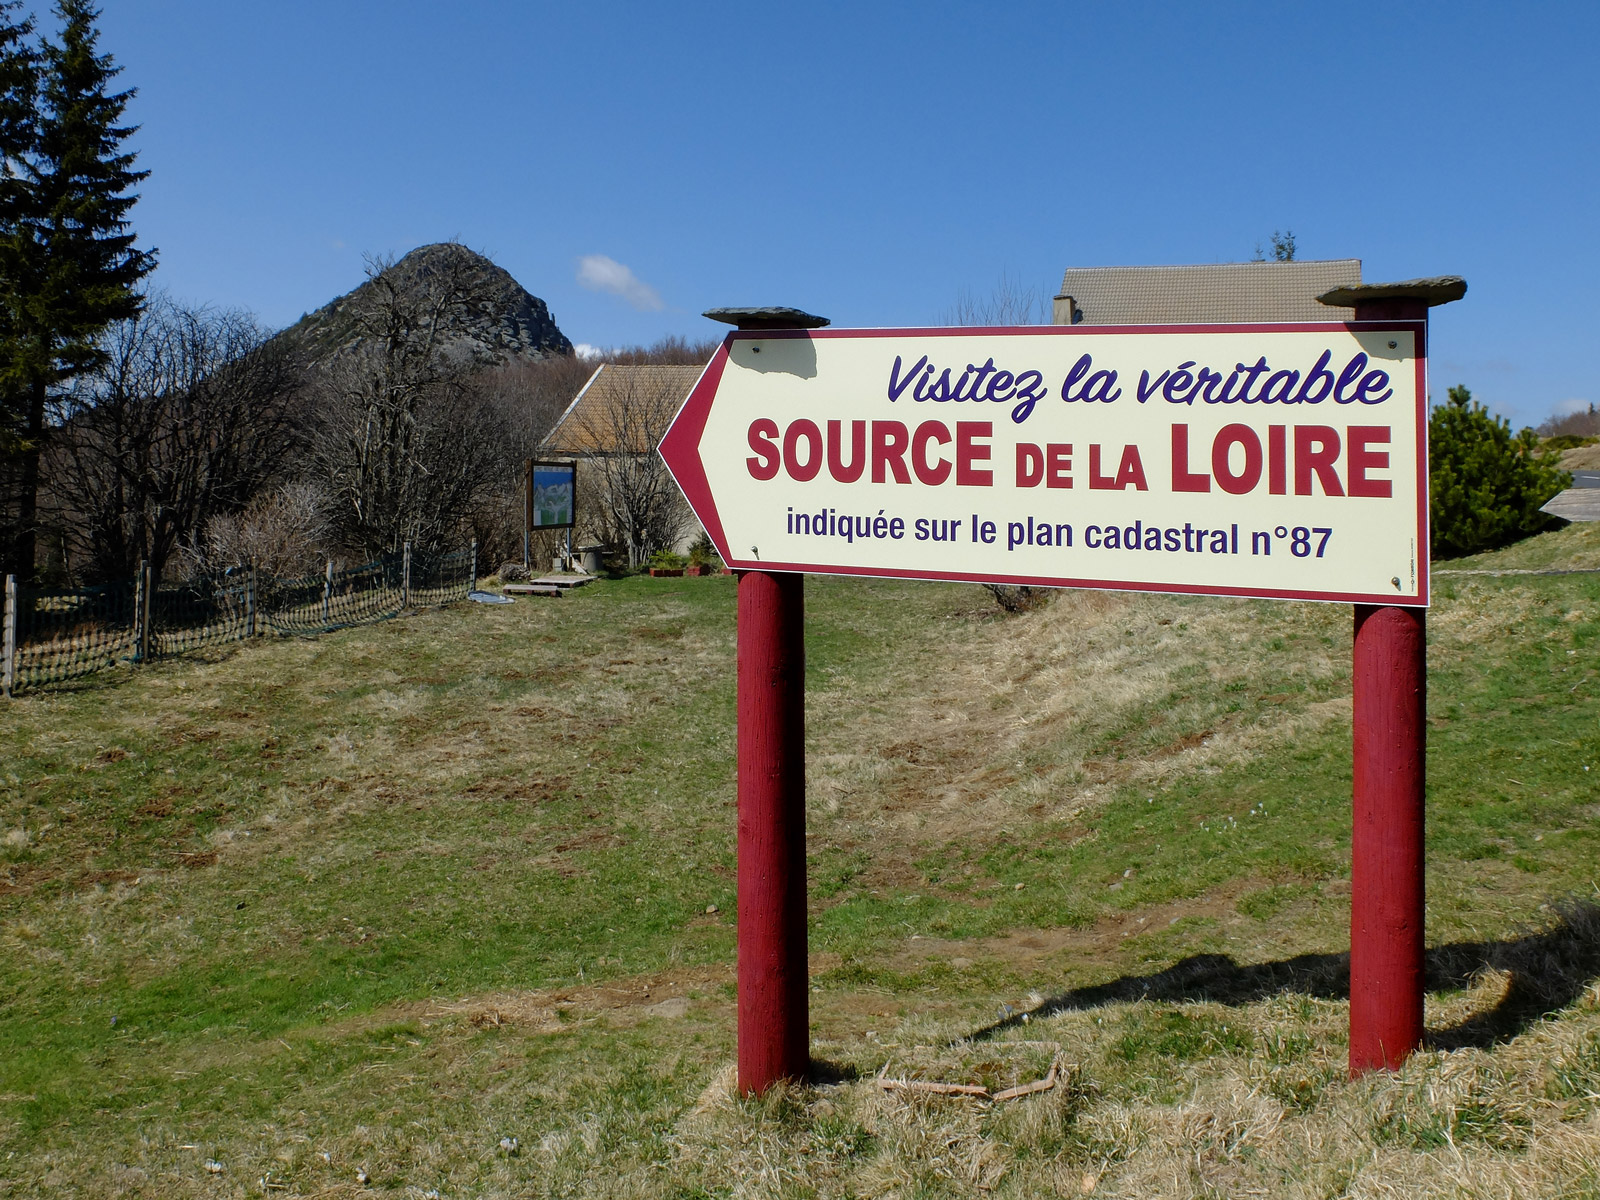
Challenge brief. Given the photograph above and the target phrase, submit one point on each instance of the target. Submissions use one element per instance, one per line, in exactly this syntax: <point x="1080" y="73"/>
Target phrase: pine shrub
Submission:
<point x="1487" y="483"/>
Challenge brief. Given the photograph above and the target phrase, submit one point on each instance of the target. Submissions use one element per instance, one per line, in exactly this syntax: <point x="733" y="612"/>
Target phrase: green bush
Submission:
<point x="1566" y="441"/>
<point x="1487" y="483"/>
<point x="668" y="560"/>
<point x="703" y="554"/>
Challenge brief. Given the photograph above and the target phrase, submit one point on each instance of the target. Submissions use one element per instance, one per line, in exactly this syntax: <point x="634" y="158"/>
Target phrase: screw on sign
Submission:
<point x="1272" y="460"/>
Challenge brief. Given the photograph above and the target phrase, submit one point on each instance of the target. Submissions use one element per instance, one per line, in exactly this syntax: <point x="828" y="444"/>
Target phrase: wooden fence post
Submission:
<point x="405" y="575"/>
<point x="8" y="648"/>
<point x="527" y="513"/>
<point x="472" y="580"/>
<point x="327" y="595"/>
<point x="250" y="601"/>
<point x="141" y="613"/>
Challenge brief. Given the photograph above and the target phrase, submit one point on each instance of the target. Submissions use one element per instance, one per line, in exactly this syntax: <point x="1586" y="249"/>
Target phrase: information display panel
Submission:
<point x="552" y="493"/>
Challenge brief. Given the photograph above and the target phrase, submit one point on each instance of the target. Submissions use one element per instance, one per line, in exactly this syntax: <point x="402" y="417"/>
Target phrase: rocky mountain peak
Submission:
<point x="500" y="322"/>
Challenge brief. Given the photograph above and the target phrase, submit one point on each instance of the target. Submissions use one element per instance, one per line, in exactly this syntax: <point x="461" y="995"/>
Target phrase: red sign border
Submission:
<point x="682" y="442"/>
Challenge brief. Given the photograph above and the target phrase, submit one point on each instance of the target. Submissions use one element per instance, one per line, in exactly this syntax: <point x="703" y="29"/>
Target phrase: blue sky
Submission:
<point x="634" y="164"/>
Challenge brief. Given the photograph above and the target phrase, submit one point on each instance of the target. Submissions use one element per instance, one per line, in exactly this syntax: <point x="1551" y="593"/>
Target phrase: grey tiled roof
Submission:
<point x="1246" y="291"/>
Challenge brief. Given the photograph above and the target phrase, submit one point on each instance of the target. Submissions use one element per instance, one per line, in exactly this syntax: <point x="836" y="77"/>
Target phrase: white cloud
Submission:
<point x="1574" y="405"/>
<point x="585" y="350"/>
<point x="599" y="273"/>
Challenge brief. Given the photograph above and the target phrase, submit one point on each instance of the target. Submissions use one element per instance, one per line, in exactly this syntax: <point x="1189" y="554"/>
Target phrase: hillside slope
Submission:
<point x="375" y="901"/>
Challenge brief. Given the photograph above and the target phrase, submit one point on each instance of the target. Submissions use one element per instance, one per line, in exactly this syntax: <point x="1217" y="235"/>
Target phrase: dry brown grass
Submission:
<point x="1042" y="716"/>
<point x="1277" y="1119"/>
<point x="1280" y="1120"/>
<point x="1581" y="458"/>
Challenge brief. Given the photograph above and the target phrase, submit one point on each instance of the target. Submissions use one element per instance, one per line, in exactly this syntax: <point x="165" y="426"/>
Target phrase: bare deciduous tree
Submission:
<point x="669" y="351"/>
<point x="523" y="399"/>
<point x="406" y="441"/>
<point x="1582" y="423"/>
<point x="283" y="532"/>
<point x="637" y="503"/>
<point x="188" y="415"/>
<point x="529" y="395"/>
<point x="1011" y="302"/>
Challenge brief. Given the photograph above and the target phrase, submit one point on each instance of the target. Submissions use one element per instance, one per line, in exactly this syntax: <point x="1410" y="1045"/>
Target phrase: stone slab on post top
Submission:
<point x="1431" y="291"/>
<point x="771" y="317"/>
<point x="1405" y="300"/>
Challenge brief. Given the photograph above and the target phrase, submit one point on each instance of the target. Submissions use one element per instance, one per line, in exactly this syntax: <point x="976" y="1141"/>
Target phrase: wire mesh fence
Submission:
<point x="319" y="603"/>
<point x="200" y="614"/>
<point x="442" y="578"/>
<point x="55" y="636"/>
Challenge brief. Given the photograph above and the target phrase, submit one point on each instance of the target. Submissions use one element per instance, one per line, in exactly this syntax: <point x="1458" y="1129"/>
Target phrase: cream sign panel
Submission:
<point x="1285" y="460"/>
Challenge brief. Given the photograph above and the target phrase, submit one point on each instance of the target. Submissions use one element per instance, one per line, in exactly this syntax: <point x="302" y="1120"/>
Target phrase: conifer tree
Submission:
<point x="68" y="264"/>
<point x="1487" y="484"/>
<point x="19" y="94"/>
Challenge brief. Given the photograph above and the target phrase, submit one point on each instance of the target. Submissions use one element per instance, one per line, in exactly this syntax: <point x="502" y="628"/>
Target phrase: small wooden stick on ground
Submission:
<point x="938" y="1089"/>
<point x="1027" y="1089"/>
<point x="971" y="1089"/>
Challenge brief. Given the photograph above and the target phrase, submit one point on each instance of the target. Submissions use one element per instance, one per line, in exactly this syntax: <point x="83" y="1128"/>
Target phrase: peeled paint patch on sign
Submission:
<point x="1279" y="461"/>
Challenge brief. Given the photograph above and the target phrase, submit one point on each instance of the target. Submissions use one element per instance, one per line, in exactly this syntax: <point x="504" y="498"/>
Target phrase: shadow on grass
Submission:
<point x="824" y="1072"/>
<point x="1548" y="970"/>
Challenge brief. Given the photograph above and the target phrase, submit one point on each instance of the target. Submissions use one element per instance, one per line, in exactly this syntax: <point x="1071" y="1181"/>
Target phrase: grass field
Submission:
<point x="334" y="917"/>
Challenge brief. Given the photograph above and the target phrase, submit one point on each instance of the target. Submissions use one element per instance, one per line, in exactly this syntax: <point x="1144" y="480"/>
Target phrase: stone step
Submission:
<point x="563" y="581"/>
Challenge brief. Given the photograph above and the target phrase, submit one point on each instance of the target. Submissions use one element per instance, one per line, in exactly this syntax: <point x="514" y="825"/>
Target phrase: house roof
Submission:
<point x="1215" y="292"/>
<point x="622" y="409"/>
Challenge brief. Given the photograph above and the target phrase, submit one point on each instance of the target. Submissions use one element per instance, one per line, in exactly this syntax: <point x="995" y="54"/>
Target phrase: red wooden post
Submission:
<point x="1386" y="853"/>
<point x="774" y="1010"/>
<point x="1389" y="682"/>
<point x="774" y="987"/>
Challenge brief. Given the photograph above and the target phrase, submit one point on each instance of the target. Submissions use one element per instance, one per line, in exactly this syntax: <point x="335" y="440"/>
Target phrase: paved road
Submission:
<point x="1586" y="479"/>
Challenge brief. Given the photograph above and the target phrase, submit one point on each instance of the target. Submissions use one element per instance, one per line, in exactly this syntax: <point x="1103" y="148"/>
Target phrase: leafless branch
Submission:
<point x="185" y="419"/>
<point x="639" y="506"/>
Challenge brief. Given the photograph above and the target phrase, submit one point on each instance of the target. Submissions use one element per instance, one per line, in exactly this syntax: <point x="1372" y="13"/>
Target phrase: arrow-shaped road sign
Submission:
<point x="1257" y="460"/>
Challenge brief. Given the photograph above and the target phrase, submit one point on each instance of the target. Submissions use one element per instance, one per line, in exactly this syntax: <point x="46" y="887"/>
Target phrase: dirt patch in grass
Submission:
<point x="668" y="994"/>
<point x="1100" y="943"/>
